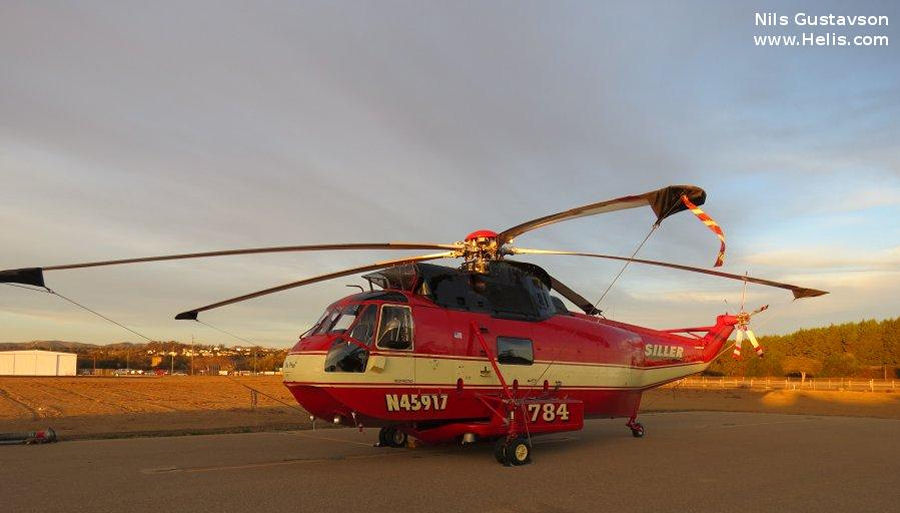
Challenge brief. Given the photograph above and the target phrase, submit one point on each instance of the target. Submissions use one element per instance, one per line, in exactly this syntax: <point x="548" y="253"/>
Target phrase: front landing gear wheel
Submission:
<point x="391" y="437"/>
<point x="500" y="451"/>
<point x="637" y="430"/>
<point x="516" y="452"/>
<point x="519" y="452"/>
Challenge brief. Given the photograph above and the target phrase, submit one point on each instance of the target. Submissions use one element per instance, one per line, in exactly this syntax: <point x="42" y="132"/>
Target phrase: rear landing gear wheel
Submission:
<point x="637" y="430"/>
<point x="391" y="437"/>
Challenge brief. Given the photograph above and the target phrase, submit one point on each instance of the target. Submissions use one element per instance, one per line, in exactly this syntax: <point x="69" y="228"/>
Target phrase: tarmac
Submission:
<point x="687" y="462"/>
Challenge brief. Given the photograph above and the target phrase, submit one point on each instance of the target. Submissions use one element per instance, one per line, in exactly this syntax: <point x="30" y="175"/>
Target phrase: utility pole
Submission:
<point x="192" y="354"/>
<point x="172" y="372"/>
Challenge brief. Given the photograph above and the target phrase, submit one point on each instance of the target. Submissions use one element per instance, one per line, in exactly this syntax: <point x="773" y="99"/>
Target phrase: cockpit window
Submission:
<point x="364" y="331"/>
<point x="344" y="320"/>
<point x="312" y="330"/>
<point x="350" y="352"/>
<point x="396" y="328"/>
<point x="326" y="322"/>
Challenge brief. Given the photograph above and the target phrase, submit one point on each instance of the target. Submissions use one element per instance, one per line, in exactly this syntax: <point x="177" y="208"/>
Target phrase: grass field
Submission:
<point x="86" y="407"/>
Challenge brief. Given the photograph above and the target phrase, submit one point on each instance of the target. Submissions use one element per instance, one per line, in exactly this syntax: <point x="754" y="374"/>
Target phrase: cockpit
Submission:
<point x="381" y="320"/>
<point x="359" y="328"/>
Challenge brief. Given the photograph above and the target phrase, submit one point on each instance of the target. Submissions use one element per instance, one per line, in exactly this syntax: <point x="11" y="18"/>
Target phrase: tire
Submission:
<point x="518" y="452"/>
<point x="383" y="439"/>
<point x="397" y="438"/>
<point x="500" y="451"/>
<point x="637" y="430"/>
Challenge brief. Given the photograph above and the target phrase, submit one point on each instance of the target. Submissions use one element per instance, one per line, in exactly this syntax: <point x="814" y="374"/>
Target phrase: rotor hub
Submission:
<point x="479" y="248"/>
<point x="481" y="234"/>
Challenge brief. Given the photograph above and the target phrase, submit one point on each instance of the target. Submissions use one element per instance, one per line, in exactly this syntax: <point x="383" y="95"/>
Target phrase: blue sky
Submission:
<point x="129" y="130"/>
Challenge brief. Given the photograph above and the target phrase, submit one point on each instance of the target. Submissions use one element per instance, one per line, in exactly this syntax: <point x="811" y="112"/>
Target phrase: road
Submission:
<point x="696" y="461"/>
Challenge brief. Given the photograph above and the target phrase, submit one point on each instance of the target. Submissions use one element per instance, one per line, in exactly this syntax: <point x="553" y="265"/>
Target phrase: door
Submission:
<point x="395" y="343"/>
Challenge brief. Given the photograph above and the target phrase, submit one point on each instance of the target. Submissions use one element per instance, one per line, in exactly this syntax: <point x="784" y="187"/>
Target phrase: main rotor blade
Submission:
<point x="576" y="298"/>
<point x="34" y="275"/>
<point x="664" y="202"/>
<point x="192" y="314"/>
<point x="799" y="292"/>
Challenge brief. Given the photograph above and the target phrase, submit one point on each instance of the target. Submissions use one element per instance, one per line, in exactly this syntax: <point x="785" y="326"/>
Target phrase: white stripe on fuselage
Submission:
<point x="413" y="370"/>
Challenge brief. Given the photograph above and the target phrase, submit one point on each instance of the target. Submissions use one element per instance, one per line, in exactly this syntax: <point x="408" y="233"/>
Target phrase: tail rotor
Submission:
<point x="743" y="328"/>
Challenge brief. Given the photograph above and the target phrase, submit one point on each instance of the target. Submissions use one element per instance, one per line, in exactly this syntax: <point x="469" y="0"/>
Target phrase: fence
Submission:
<point x="777" y="383"/>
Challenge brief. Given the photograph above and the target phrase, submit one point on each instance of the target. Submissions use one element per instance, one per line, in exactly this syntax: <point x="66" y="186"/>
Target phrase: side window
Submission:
<point x="364" y="331"/>
<point x="395" y="330"/>
<point x="514" y="351"/>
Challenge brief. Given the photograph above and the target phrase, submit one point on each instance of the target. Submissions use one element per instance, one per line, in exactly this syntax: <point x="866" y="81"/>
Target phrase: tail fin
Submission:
<point x="717" y="335"/>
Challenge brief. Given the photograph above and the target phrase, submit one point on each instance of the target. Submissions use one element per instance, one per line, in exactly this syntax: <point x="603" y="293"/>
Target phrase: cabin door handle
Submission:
<point x="482" y="329"/>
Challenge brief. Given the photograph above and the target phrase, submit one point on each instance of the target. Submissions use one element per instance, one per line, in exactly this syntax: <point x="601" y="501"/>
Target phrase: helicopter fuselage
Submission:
<point x="439" y="373"/>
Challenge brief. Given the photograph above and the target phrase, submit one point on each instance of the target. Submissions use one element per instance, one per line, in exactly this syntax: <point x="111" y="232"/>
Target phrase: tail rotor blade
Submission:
<point x="763" y="308"/>
<point x="744" y="290"/>
<point x="752" y="338"/>
<point x="738" y="339"/>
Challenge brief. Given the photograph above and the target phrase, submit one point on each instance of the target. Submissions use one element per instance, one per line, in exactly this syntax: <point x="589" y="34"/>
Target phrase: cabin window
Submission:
<point x="514" y="351"/>
<point x="559" y="307"/>
<point x="396" y="328"/>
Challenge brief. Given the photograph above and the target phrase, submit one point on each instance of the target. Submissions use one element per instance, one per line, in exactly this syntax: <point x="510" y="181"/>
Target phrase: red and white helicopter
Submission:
<point x="484" y="351"/>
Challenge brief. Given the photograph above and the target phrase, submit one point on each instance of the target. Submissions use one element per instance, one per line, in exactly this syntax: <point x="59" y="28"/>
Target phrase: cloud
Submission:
<point x="134" y="130"/>
<point x="832" y="257"/>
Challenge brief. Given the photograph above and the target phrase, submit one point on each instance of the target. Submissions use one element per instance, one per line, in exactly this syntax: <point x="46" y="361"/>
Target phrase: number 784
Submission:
<point x="549" y="412"/>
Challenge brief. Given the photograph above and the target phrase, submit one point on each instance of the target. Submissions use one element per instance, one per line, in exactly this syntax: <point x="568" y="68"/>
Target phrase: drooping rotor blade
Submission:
<point x="27" y="276"/>
<point x="664" y="202"/>
<point x="576" y="298"/>
<point x="192" y="314"/>
<point x="799" y="292"/>
<point x="34" y="275"/>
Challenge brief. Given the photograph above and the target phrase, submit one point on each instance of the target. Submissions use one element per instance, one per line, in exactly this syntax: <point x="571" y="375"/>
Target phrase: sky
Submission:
<point x="135" y="128"/>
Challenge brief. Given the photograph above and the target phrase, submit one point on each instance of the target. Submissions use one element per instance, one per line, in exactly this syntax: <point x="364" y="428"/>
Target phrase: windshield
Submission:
<point x="349" y="353"/>
<point x="312" y="330"/>
<point x="343" y="322"/>
<point x="336" y="320"/>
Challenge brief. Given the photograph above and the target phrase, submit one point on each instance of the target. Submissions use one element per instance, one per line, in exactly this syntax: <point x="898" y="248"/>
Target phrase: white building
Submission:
<point x="37" y="363"/>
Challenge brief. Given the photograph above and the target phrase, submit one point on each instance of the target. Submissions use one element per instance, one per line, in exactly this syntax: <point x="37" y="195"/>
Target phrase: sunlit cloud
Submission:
<point x="328" y="123"/>
<point x="817" y="257"/>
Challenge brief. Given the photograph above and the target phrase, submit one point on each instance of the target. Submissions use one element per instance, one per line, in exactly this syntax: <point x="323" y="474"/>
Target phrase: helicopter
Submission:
<point x="486" y="351"/>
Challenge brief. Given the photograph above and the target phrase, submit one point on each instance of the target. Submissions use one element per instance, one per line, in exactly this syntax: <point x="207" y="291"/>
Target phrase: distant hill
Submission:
<point x="47" y="345"/>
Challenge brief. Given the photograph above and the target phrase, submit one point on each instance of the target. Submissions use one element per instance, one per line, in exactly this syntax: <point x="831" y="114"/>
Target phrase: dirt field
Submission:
<point x="87" y="407"/>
